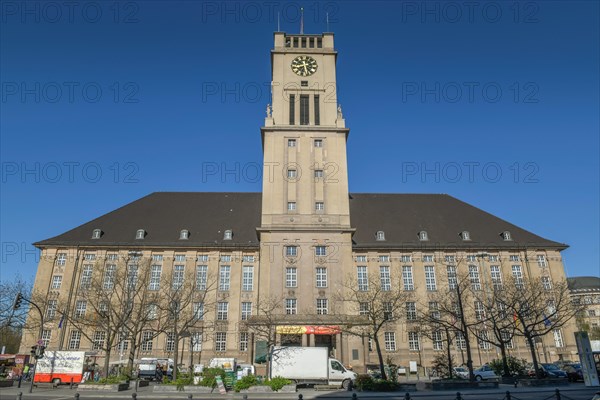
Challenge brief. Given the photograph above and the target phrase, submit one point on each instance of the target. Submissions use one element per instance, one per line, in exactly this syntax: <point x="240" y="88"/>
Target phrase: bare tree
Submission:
<point x="380" y="302"/>
<point x="538" y="309"/>
<point x="13" y="322"/>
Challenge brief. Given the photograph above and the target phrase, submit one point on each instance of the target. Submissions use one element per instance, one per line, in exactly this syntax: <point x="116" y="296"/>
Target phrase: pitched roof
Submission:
<point x="585" y="283"/>
<point x="206" y="215"/>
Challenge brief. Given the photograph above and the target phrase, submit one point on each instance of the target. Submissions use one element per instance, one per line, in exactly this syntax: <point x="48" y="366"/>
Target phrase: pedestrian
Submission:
<point x="159" y="373"/>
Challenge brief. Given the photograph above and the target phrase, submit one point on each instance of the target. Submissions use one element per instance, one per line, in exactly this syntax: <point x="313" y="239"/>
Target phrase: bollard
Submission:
<point x="458" y="396"/>
<point x="190" y="396"/>
<point x="557" y="394"/>
<point x="300" y="397"/>
<point x="19" y="395"/>
<point x="71" y="384"/>
<point x="354" y="396"/>
<point x="516" y="382"/>
<point x="407" y="396"/>
<point x="245" y="397"/>
<point x="134" y="395"/>
<point x="508" y="396"/>
<point x="77" y="395"/>
<point x="20" y="379"/>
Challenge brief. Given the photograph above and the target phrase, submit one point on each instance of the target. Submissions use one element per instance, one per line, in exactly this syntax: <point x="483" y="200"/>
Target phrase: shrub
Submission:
<point x="364" y="382"/>
<point x="515" y="366"/>
<point x="277" y="383"/>
<point x="111" y="380"/>
<point x="245" y="383"/>
<point x="209" y="376"/>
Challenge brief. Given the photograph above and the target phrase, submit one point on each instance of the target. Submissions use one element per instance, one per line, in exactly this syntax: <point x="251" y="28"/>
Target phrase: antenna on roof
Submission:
<point x="327" y="18"/>
<point x="302" y="20"/>
<point x="278" y="24"/>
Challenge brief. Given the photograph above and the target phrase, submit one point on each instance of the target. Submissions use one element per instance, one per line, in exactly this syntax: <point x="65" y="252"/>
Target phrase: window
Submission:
<point x="304" y="109"/>
<point x="363" y="309"/>
<point x="517" y="276"/>
<point x="80" y="308"/>
<point x="474" y="277"/>
<point x="155" y="272"/>
<point x="452" y="280"/>
<point x="321" y="306"/>
<point x="483" y="340"/>
<point x="414" y="343"/>
<point x="74" y="340"/>
<point x="291" y="277"/>
<point x="380" y="235"/>
<point x="390" y="341"/>
<point x="449" y="259"/>
<point x="558" y="339"/>
<point x="184" y="234"/>
<point x="247" y="277"/>
<point x="291" y="251"/>
<point x="427" y="258"/>
<point x="51" y="309"/>
<point x="465" y="235"/>
<point x="196" y="341"/>
<point x="541" y="261"/>
<point x="479" y="311"/>
<point x="437" y="339"/>
<point x="220" y="341"/>
<point x="202" y="258"/>
<point x="472" y="258"/>
<point x="460" y="341"/>
<point x="178" y="274"/>
<point x="112" y="257"/>
<point x="506" y="236"/>
<point x="152" y="311"/>
<point x="361" y="259"/>
<point x="318" y="142"/>
<point x="592" y="313"/>
<point x="317" y="113"/>
<point x="320" y="251"/>
<point x="243" y="341"/>
<point x="248" y="258"/>
<point x="434" y="310"/>
<point x="546" y="282"/>
<point x="201" y="276"/>
<point x="292" y="109"/>
<point x="493" y="258"/>
<point x="507" y="339"/>
<point x="388" y="311"/>
<point x="319" y="206"/>
<point x="46" y="336"/>
<point x="99" y="339"/>
<point x="318" y="173"/>
<point x="170" y="342"/>
<point x="198" y="308"/>
<point x="291" y="206"/>
<point x="228" y="234"/>
<point x="180" y="258"/>
<point x="86" y="276"/>
<point x="140" y="234"/>
<point x="384" y="259"/>
<point x="292" y="174"/>
<point x="222" y="310"/>
<point x="407" y="277"/>
<point x="224" y="277"/>
<point x="513" y="257"/>
<point x="386" y="281"/>
<point x="61" y="259"/>
<point x="246" y="310"/>
<point x="423" y="236"/>
<point x="291" y="307"/>
<point x="291" y="142"/>
<point x="56" y="282"/>
<point x="132" y="276"/>
<point x="109" y="276"/>
<point x="406" y="258"/>
<point x="496" y="277"/>
<point x="147" y="338"/>
<point x="363" y="280"/>
<point x="321" y="275"/>
<point x="411" y="311"/>
<point x="430" y="282"/>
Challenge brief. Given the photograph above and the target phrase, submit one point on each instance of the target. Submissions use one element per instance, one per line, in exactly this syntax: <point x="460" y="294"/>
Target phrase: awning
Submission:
<point x="307" y="329"/>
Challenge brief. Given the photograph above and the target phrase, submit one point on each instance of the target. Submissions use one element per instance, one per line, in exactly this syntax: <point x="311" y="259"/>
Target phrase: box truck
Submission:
<point x="60" y="367"/>
<point x="309" y="365"/>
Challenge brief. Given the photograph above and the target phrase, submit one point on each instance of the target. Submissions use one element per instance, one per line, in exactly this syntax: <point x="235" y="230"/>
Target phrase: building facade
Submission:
<point x="296" y="243"/>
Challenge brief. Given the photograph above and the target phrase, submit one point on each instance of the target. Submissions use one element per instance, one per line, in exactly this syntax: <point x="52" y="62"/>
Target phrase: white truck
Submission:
<point x="60" y="367"/>
<point x="309" y="365"/>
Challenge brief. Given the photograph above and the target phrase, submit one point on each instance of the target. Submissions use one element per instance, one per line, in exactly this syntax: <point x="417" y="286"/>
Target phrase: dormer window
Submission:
<point x="96" y="233"/>
<point x="423" y="236"/>
<point x="184" y="234"/>
<point x="140" y="234"/>
<point x="228" y="235"/>
<point x="465" y="235"/>
<point x="380" y="235"/>
<point x="506" y="236"/>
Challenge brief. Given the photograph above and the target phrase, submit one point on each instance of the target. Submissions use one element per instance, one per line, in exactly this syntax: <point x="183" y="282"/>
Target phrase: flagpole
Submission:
<point x="302" y="20"/>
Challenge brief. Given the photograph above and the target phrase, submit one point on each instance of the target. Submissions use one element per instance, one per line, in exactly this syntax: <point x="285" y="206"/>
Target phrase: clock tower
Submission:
<point x="305" y="226"/>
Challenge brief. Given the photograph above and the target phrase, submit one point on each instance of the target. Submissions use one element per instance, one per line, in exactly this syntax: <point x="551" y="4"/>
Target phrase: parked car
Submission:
<point x="461" y="372"/>
<point x="549" y="371"/>
<point x="574" y="372"/>
<point x="485" y="372"/>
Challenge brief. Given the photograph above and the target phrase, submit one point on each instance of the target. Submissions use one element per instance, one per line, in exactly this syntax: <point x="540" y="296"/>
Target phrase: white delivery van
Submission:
<point x="309" y="365"/>
<point x="60" y="367"/>
<point x="147" y="367"/>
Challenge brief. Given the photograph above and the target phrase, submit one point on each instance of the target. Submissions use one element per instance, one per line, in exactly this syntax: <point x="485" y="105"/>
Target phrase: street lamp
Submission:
<point x="38" y="350"/>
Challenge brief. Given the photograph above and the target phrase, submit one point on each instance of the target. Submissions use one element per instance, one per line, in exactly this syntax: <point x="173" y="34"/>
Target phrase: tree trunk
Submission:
<point x="380" y="357"/>
<point x="449" y="354"/>
<point x="175" y="355"/>
<point x="536" y="367"/>
<point x="107" y="361"/>
<point x="505" y="367"/>
<point x="465" y="334"/>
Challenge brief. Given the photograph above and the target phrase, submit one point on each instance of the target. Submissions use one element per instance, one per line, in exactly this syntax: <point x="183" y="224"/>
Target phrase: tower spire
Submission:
<point x="302" y="20"/>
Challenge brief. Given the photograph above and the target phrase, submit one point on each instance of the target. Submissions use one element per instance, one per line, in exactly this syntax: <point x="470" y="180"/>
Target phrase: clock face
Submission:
<point x="304" y="65"/>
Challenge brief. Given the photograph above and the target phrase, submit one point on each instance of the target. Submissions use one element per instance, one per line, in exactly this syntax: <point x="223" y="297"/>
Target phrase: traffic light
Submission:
<point x="33" y="350"/>
<point x="39" y="353"/>
<point x="18" y="300"/>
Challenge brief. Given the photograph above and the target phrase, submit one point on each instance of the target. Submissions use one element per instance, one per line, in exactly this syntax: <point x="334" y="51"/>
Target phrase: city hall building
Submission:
<point x="297" y="241"/>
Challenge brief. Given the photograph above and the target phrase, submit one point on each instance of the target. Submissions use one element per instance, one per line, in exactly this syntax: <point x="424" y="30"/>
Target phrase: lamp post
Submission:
<point x="36" y="352"/>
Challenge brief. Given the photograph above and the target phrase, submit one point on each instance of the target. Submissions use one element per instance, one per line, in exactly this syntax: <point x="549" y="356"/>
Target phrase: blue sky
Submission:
<point x="494" y="103"/>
